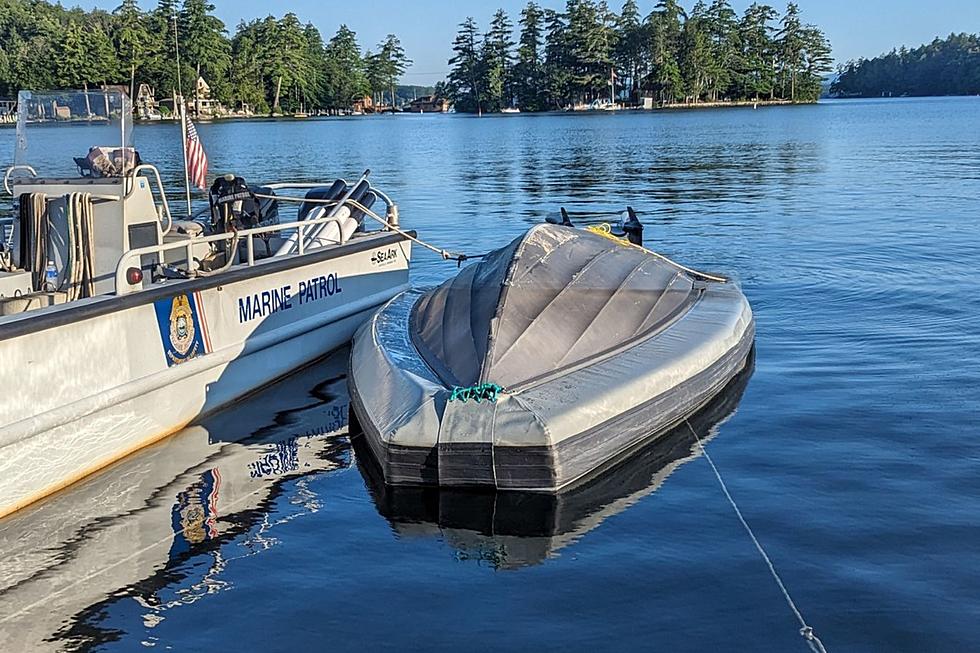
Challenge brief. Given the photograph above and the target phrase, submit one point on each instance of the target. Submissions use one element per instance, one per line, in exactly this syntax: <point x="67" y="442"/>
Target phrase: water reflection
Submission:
<point x="514" y="529"/>
<point x="161" y="528"/>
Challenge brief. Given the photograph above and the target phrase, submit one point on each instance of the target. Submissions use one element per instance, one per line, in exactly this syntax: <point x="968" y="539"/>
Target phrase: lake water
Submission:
<point x="853" y="450"/>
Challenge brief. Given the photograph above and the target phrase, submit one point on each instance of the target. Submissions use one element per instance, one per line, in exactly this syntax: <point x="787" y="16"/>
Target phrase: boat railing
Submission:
<point x="164" y="206"/>
<point x="295" y="185"/>
<point x="10" y="170"/>
<point x="131" y="259"/>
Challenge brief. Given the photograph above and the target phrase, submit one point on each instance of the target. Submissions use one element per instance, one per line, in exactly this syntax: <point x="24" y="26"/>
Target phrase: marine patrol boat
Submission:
<point x="120" y="324"/>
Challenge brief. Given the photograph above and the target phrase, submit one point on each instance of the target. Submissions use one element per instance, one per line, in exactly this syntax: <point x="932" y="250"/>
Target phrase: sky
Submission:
<point x="856" y="28"/>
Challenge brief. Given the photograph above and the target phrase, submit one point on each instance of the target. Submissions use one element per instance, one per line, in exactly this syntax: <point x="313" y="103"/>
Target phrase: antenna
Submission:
<point x="180" y="91"/>
<point x="183" y="119"/>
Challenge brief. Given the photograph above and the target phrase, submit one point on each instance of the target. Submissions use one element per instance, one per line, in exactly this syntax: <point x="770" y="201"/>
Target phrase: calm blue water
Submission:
<point x="853" y="229"/>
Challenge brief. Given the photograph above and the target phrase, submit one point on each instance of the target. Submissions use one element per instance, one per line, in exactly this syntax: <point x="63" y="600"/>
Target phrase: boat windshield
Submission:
<point x="71" y="134"/>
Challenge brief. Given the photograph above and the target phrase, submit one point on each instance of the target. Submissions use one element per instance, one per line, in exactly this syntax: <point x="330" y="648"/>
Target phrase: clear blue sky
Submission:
<point x="856" y="28"/>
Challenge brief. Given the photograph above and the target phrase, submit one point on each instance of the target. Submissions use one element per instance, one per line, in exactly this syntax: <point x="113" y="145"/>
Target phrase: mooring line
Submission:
<point x="447" y="255"/>
<point x="806" y="631"/>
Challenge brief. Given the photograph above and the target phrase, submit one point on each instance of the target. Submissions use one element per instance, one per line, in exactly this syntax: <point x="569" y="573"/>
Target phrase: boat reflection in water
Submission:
<point x="516" y="529"/>
<point x="155" y="527"/>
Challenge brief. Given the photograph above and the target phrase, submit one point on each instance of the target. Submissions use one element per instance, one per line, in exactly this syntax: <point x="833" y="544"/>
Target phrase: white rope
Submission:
<point x="80" y="266"/>
<point x="806" y="631"/>
<point x="444" y="253"/>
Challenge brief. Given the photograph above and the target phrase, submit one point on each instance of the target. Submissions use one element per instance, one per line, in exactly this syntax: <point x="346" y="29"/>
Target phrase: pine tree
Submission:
<point x="722" y="24"/>
<point x="73" y="65"/>
<point x="789" y="48"/>
<point x="463" y="84"/>
<point x="628" y="54"/>
<point x="203" y="44"/>
<point x="758" y="51"/>
<point x="374" y="73"/>
<point x="664" y="30"/>
<point x="591" y="48"/>
<point x="247" y="83"/>
<point x="392" y="63"/>
<point x="695" y="56"/>
<point x="346" y="77"/>
<point x="287" y="59"/>
<point x="161" y="56"/>
<point x="317" y="91"/>
<point x="528" y="75"/>
<point x="496" y="63"/>
<point x="557" y="60"/>
<point x="817" y="61"/>
<point x="131" y="39"/>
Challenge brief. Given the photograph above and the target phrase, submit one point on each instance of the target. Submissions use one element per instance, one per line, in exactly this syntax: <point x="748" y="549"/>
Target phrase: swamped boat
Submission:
<point x="538" y="366"/>
<point x="120" y="325"/>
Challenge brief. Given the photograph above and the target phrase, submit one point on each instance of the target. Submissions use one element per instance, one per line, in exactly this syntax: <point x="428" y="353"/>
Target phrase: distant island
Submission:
<point x="943" y="67"/>
<point x="588" y="56"/>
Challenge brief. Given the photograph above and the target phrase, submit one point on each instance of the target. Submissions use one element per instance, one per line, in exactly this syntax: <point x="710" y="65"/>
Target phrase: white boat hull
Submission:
<point x="185" y="498"/>
<point x="106" y="377"/>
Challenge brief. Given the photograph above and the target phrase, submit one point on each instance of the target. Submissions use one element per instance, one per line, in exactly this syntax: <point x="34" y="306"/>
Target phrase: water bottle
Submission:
<point x="51" y="277"/>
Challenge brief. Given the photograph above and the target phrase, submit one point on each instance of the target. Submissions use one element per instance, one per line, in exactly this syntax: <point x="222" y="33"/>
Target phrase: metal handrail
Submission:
<point x="302" y="185"/>
<point x="124" y="287"/>
<point x="6" y="176"/>
<point x="165" y="208"/>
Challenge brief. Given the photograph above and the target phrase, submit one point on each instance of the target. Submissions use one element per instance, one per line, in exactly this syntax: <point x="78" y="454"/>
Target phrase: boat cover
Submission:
<point x="549" y="300"/>
<point x="595" y="345"/>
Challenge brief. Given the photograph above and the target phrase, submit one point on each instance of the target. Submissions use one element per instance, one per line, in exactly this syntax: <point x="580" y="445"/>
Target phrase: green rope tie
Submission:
<point x="477" y="393"/>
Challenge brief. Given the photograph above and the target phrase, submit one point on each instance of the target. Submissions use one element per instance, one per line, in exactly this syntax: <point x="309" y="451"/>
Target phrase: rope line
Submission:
<point x="602" y="230"/>
<point x="477" y="393"/>
<point x="806" y="631"/>
<point x="605" y="230"/>
<point x="446" y="254"/>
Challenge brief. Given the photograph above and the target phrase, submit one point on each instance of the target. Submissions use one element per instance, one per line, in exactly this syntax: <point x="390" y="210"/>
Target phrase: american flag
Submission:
<point x="197" y="160"/>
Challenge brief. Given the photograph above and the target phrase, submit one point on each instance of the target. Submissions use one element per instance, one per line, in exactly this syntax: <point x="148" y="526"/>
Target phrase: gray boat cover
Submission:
<point x="549" y="300"/>
<point x="597" y="346"/>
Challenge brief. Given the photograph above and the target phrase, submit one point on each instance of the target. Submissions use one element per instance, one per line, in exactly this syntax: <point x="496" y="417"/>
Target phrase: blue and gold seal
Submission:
<point x="180" y="328"/>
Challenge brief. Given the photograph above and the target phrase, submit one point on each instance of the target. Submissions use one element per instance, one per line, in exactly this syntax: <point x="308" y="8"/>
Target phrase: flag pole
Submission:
<point x="183" y="120"/>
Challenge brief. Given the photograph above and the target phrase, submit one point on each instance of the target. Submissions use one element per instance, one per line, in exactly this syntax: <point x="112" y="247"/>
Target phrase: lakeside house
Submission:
<point x="363" y="105"/>
<point x="8" y="110"/>
<point x="203" y="105"/>
<point x="147" y="107"/>
<point x="428" y="104"/>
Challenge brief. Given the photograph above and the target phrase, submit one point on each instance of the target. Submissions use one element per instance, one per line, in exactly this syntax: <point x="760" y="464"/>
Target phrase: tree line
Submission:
<point x="580" y="54"/>
<point x="948" y="66"/>
<point x="274" y="64"/>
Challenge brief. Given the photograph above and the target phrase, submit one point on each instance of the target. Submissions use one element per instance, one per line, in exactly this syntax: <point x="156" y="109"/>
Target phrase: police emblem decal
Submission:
<point x="180" y="328"/>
